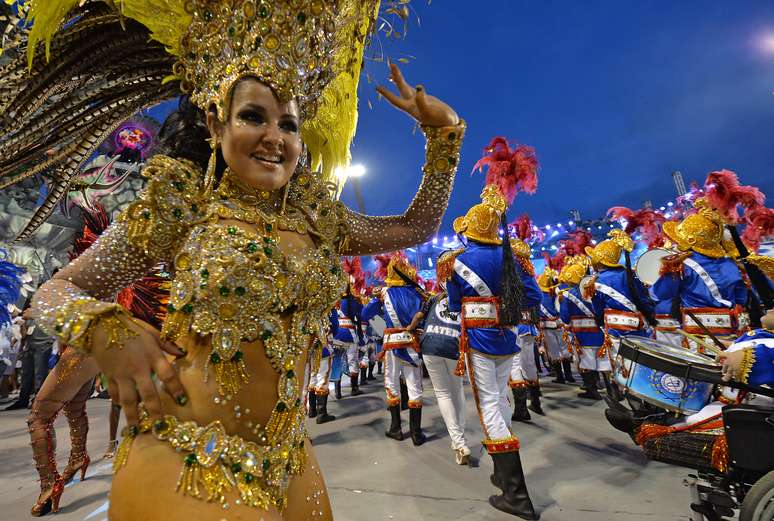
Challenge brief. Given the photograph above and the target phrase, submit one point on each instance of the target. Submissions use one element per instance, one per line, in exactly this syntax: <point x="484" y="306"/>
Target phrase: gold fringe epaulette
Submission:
<point x="527" y="266"/>
<point x="674" y="263"/>
<point x="764" y="263"/>
<point x="445" y="266"/>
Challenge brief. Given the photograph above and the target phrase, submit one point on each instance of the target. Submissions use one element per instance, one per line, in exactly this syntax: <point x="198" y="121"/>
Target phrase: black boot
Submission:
<point x="590" y="384"/>
<point x="363" y="374"/>
<point x="395" y="431"/>
<point x="337" y="386"/>
<point x="370" y="375"/>
<point x="415" y="426"/>
<point x="567" y="366"/>
<point x="559" y="374"/>
<point x="613" y="391"/>
<point x="534" y="400"/>
<point x="355" y="387"/>
<point x="312" y="404"/>
<point x="621" y="419"/>
<point x="322" y="410"/>
<point x="404" y="399"/>
<point x="510" y="476"/>
<point x="379" y="368"/>
<point x="520" y="412"/>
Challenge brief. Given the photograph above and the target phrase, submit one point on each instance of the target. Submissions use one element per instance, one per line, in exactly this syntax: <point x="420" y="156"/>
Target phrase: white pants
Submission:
<point x="552" y="338"/>
<point x="524" y="369"/>
<point x="393" y="368"/>
<point x="489" y="382"/>
<point x="319" y="379"/>
<point x="450" y="395"/>
<point x="670" y="338"/>
<point x="591" y="362"/>
<point x="353" y="359"/>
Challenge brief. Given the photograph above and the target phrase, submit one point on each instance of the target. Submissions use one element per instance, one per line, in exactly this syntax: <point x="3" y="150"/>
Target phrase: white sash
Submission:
<point x="469" y="276"/>
<point x="752" y="342"/>
<point x="617" y="296"/>
<point x="391" y="310"/>
<point x="711" y="285"/>
<point x="575" y="300"/>
<point x="546" y="313"/>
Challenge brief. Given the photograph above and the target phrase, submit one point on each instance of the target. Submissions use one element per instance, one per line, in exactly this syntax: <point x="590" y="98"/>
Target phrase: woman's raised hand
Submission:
<point x="426" y="109"/>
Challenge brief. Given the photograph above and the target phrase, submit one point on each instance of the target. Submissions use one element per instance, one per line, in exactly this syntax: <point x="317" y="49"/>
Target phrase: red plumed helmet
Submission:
<point x="524" y="229"/>
<point x="646" y="220"/>
<point x="512" y="170"/>
<point x="724" y="194"/>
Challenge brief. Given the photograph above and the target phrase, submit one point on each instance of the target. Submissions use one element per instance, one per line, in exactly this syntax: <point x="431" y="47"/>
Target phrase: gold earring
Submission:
<point x="209" y="176"/>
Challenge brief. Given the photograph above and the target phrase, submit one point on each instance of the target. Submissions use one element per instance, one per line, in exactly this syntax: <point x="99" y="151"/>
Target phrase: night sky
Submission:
<point x="614" y="95"/>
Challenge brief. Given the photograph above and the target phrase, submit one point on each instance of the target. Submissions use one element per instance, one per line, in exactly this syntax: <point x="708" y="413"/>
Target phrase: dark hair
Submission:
<point x="184" y="135"/>
<point x="511" y="286"/>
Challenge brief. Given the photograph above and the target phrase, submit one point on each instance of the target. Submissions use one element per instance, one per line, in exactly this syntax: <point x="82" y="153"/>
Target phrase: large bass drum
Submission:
<point x="669" y="377"/>
<point x="648" y="265"/>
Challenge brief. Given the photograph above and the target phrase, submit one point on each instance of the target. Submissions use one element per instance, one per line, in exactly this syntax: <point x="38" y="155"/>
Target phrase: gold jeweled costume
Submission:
<point x="233" y="285"/>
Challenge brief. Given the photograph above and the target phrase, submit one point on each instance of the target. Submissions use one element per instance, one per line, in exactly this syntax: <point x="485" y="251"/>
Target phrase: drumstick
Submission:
<point x="706" y="331"/>
<point x="699" y="341"/>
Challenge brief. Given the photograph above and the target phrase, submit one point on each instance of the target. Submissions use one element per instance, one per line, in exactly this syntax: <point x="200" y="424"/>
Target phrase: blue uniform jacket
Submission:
<point x="486" y="261"/>
<point x="761" y="341"/>
<point x="594" y="337"/>
<point x="695" y="293"/>
<point x="406" y="302"/>
<point x="345" y="335"/>
<point x="615" y="279"/>
<point x="334" y="325"/>
<point x="548" y="309"/>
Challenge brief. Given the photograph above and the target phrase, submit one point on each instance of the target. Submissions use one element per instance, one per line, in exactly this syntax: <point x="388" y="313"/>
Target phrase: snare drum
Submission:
<point x="669" y="377"/>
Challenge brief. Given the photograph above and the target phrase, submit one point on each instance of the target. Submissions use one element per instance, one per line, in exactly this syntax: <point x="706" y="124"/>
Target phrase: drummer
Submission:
<point x="550" y="332"/>
<point x="704" y="278"/>
<point x="619" y="300"/>
<point x="587" y="337"/>
<point x="749" y="359"/>
<point x="668" y="321"/>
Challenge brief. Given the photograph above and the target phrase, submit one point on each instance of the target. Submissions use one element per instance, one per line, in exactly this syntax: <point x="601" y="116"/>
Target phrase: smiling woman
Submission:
<point x="254" y="243"/>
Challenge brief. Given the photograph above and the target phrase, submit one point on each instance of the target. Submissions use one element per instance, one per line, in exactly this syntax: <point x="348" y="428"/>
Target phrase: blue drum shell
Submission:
<point x="663" y="389"/>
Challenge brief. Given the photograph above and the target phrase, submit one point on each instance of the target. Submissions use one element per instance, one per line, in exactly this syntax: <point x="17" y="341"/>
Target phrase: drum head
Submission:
<point x="673" y="360"/>
<point x="648" y="265"/>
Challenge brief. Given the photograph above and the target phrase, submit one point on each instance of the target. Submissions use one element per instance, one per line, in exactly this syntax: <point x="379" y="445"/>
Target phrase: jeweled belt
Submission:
<point x="215" y="463"/>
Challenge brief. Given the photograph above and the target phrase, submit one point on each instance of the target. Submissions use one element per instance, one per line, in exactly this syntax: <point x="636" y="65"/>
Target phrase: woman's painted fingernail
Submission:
<point x="181" y="399"/>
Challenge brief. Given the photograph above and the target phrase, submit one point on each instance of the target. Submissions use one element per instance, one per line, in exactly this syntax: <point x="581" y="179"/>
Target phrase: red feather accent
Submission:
<point x="557" y="261"/>
<point x="760" y="224"/>
<point x="617" y="213"/>
<point x="147" y="298"/>
<point x="524" y="229"/>
<point x="94" y="223"/>
<point x="382" y="262"/>
<point x="693" y="193"/>
<point x="576" y="243"/>
<point x="724" y="194"/>
<point x="513" y="170"/>
<point x="353" y="266"/>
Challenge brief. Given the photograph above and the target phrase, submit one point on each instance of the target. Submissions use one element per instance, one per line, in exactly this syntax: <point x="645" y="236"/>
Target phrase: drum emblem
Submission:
<point x="672" y="384"/>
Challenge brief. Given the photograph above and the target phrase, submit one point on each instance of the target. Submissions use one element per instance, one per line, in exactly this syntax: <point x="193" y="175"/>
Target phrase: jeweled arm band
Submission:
<point x="76" y="317"/>
<point x="371" y="234"/>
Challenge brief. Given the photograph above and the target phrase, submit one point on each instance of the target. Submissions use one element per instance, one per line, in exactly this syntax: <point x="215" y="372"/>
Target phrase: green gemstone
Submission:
<point x="452" y="136"/>
<point x="194" y="208"/>
<point x="237" y="356"/>
<point x="188" y="308"/>
<point x="301" y="18"/>
<point x="146" y="214"/>
<point x="236" y="468"/>
<point x="266" y="334"/>
<point x="269" y="227"/>
<point x="205" y="273"/>
<point x="298" y="402"/>
<point x="232" y="230"/>
<point x="267" y="251"/>
<point x="178" y="186"/>
<point x="224" y="291"/>
<point x="301" y="444"/>
<point x="282" y="407"/>
<point x="215" y="358"/>
<point x="249" y="478"/>
<point x="206" y="58"/>
<point x="240" y="291"/>
<point x="263" y="11"/>
<point x="208" y="16"/>
<point x="266" y="464"/>
<point x="335" y="270"/>
<point x="324" y="212"/>
<point x="268" y="240"/>
<point x="252" y="247"/>
<point x="177" y="212"/>
<point x="291" y="374"/>
<point x="231" y="30"/>
<point x="171" y="308"/>
<point x="190" y="459"/>
<point x="160" y="425"/>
